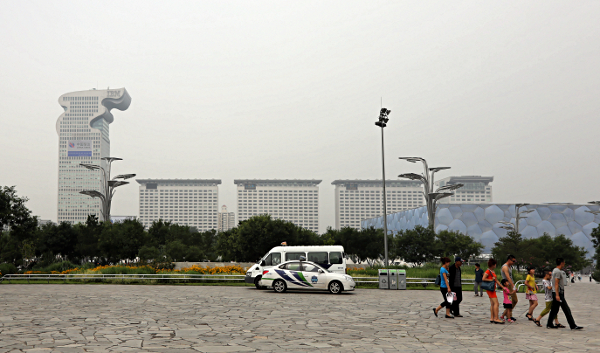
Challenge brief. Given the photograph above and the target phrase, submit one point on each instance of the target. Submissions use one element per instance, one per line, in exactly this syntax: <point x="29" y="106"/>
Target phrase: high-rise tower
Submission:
<point x="83" y="138"/>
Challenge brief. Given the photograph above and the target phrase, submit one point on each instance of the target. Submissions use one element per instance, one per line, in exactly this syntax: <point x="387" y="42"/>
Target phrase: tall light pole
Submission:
<point x="427" y="178"/>
<point x="108" y="185"/>
<point x="382" y="122"/>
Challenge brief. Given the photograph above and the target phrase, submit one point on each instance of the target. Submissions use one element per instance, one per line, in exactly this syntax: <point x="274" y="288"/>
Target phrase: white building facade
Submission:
<point x="225" y="220"/>
<point x="292" y="200"/>
<point x="357" y="200"/>
<point x="476" y="189"/>
<point x="191" y="202"/>
<point x="83" y="134"/>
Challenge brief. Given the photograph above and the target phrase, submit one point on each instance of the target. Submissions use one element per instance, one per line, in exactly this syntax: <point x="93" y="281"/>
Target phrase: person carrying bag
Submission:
<point x="489" y="284"/>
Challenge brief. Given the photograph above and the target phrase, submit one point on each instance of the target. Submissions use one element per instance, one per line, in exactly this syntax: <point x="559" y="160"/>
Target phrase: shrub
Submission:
<point x="7" y="268"/>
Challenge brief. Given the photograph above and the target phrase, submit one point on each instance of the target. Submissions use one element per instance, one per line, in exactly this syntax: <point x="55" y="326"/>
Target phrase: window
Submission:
<point x="273" y="259"/>
<point x="310" y="268"/>
<point x="318" y="257"/>
<point x="294" y="256"/>
<point x="336" y="258"/>
<point x="294" y="266"/>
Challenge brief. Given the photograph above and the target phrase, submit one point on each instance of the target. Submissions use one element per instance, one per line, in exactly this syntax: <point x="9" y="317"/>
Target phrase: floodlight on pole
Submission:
<point x="382" y="123"/>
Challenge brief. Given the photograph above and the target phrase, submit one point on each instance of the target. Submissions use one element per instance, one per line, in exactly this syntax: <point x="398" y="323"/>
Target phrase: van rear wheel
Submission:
<point x="279" y="286"/>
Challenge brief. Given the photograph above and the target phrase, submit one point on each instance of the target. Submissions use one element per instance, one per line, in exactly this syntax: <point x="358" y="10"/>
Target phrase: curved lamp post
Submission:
<point x="427" y="178"/>
<point x="382" y="122"/>
<point x="108" y="185"/>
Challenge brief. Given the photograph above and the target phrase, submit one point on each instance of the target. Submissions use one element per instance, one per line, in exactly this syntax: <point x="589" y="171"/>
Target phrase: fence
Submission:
<point x="182" y="277"/>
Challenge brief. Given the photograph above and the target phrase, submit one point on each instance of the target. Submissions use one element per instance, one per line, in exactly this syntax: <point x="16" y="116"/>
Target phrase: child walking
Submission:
<point x="508" y="306"/>
<point x="548" y="297"/>
<point x="530" y="292"/>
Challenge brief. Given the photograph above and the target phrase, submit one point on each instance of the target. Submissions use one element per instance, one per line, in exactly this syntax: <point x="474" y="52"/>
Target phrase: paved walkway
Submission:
<point x="91" y="318"/>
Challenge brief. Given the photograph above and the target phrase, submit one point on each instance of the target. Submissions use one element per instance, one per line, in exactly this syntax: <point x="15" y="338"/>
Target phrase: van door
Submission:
<point x="336" y="262"/>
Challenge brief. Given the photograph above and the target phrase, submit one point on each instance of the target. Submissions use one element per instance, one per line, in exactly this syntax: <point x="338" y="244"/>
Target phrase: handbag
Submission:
<point x="438" y="280"/>
<point x="489" y="285"/>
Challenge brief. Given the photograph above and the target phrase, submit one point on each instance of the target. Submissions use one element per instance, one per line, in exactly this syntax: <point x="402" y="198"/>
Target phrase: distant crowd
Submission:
<point x="450" y="282"/>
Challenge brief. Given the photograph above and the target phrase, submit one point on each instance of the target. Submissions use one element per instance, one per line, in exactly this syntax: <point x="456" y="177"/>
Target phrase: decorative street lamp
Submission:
<point x="518" y="216"/>
<point x="427" y="178"/>
<point x="108" y="185"/>
<point x="382" y="122"/>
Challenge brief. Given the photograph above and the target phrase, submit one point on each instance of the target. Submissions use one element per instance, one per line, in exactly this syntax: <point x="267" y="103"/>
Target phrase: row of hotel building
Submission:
<point x="195" y="202"/>
<point x="83" y="138"/>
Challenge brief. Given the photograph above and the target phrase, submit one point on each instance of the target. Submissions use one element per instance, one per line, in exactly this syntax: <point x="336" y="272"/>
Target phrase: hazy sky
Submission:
<point x="291" y="90"/>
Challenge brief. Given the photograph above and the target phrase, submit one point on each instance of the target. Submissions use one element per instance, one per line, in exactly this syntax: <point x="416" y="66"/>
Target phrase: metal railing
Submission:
<point x="176" y="277"/>
<point x="122" y="277"/>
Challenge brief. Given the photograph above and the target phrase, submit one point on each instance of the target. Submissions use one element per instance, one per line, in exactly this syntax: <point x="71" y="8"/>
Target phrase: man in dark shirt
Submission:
<point x="478" y="280"/>
<point x="456" y="285"/>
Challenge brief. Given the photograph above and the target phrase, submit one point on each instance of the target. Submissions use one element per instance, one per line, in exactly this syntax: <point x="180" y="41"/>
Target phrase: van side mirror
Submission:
<point x="321" y="271"/>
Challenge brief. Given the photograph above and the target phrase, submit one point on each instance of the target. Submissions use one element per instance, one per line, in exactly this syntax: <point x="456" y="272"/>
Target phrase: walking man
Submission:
<point x="478" y="280"/>
<point x="506" y="273"/>
<point x="558" y="297"/>
<point x="456" y="285"/>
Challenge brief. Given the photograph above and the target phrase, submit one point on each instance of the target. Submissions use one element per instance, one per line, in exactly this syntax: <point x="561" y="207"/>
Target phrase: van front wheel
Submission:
<point x="257" y="285"/>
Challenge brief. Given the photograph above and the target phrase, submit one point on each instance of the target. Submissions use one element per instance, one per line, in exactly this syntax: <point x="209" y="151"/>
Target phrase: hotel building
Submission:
<point x="191" y="202"/>
<point x="83" y="138"/>
<point x="476" y="189"/>
<point x="292" y="200"/>
<point x="357" y="200"/>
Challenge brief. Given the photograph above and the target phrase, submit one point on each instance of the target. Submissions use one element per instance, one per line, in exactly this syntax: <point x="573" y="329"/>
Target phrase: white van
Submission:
<point x="330" y="257"/>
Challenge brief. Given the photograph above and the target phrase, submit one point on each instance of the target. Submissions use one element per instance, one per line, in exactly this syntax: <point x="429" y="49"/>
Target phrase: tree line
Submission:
<point x="26" y="244"/>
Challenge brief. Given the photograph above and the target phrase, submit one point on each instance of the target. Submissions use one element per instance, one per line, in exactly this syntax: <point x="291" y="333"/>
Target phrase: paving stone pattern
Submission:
<point x="121" y="318"/>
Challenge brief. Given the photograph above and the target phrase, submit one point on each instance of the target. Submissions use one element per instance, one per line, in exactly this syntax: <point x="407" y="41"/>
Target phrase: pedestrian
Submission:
<point x="579" y="277"/>
<point x="558" y="297"/>
<point x="478" y="278"/>
<point x="506" y="273"/>
<point x="507" y="303"/>
<point x="548" y="298"/>
<point x="444" y="288"/>
<point x="590" y="277"/>
<point x="456" y="285"/>
<point x="531" y="292"/>
<point x="490" y="276"/>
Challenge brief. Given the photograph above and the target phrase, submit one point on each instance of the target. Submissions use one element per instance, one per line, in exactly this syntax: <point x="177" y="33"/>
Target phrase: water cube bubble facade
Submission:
<point x="481" y="221"/>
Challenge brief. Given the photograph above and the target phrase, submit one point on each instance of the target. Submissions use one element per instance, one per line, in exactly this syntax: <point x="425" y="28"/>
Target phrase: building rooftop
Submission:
<point x="276" y="181"/>
<point x="373" y="182"/>
<point x="179" y="181"/>
<point x="467" y="179"/>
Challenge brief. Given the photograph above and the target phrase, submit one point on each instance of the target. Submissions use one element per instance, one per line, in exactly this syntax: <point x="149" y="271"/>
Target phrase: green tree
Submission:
<point x="148" y="253"/>
<point x="596" y="241"/>
<point x="12" y="208"/>
<point x="122" y="240"/>
<point x="88" y="235"/>
<point x="508" y="245"/>
<point x="176" y="250"/>
<point x="450" y="243"/>
<point x="417" y="245"/>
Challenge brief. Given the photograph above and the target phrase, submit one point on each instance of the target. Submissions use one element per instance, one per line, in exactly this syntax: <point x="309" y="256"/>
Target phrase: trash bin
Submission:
<point x="383" y="279"/>
<point x="401" y="279"/>
<point x="393" y="279"/>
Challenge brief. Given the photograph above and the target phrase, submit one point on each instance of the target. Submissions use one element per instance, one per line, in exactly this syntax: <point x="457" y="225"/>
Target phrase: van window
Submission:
<point x="318" y="257"/>
<point x="294" y="255"/>
<point x="336" y="258"/>
<point x="273" y="259"/>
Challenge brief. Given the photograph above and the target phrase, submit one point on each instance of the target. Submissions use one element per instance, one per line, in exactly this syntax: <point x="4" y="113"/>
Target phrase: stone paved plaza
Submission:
<point x="118" y="318"/>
